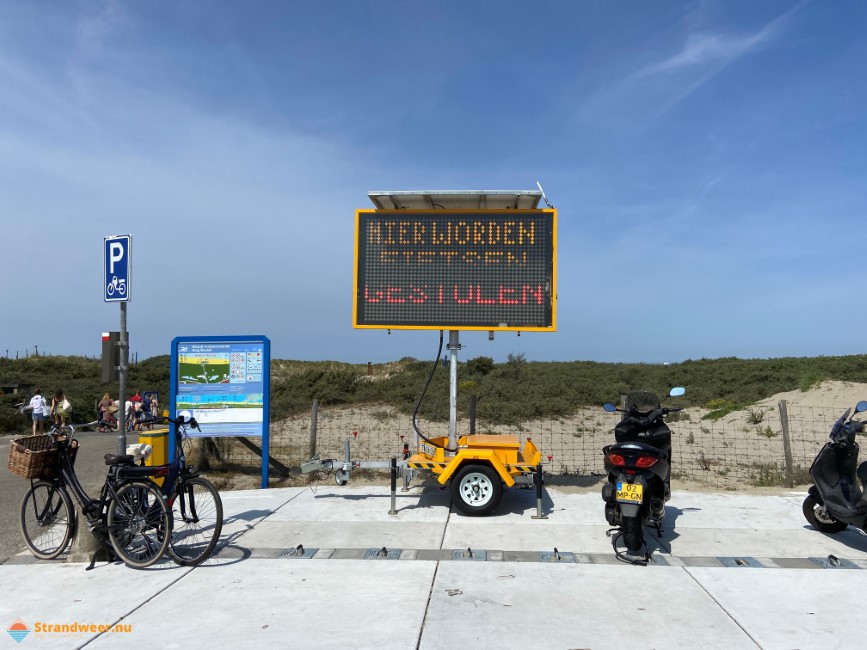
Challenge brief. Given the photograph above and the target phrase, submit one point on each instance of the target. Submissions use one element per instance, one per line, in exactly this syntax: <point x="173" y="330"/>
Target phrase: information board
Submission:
<point x="455" y="270"/>
<point x="223" y="382"/>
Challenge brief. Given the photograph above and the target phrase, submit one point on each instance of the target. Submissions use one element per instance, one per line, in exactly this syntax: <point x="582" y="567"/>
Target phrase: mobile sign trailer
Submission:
<point x="482" y="261"/>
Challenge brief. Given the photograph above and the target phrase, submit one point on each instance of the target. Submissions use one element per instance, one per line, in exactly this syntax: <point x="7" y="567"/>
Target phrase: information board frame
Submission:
<point x="223" y="394"/>
<point x="412" y="242"/>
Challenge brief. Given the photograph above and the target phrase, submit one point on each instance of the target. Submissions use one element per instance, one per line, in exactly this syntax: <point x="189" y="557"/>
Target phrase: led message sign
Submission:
<point x="455" y="270"/>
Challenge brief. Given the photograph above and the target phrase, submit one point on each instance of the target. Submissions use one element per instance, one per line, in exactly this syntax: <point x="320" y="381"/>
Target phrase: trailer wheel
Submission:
<point x="476" y="490"/>
<point x="341" y="477"/>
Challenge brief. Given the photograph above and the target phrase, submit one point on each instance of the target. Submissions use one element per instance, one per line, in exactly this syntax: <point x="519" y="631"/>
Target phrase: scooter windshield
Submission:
<point x="837" y="429"/>
<point x="641" y="400"/>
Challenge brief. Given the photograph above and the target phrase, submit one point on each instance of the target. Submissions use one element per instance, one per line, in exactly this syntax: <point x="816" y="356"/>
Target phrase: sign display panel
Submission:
<point x="455" y="270"/>
<point x="223" y="383"/>
<point x="117" y="252"/>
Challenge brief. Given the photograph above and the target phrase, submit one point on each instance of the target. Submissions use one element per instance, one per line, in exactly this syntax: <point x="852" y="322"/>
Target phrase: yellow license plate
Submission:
<point x="629" y="492"/>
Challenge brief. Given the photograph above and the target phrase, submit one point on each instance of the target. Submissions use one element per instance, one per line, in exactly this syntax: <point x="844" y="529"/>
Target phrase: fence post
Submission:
<point x="787" y="444"/>
<point x="472" y="414"/>
<point x="314" y="420"/>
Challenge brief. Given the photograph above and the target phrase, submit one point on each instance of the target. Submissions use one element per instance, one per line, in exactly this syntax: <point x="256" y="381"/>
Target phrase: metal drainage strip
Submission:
<point x="383" y="553"/>
<point x="472" y="554"/>
<point x="298" y="553"/>
<point x="556" y="556"/>
<point x="833" y="562"/>
<point x="750" y="562"/>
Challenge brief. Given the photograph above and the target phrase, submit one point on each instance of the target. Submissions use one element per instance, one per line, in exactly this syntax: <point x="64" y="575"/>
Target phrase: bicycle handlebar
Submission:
<point x="181" y="421"/>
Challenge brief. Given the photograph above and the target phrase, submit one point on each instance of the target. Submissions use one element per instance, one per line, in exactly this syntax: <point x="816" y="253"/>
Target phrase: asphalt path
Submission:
<point x="89" y="466"/>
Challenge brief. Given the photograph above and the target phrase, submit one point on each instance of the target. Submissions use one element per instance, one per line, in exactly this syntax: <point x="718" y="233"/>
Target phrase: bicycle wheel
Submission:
<point x="197" y="513"/>
<point x="139" y="524"/>
<point x="47" y="520"/>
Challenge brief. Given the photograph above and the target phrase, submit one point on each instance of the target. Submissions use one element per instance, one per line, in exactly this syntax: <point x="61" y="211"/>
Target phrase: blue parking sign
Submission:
<point x="118" y="249"/>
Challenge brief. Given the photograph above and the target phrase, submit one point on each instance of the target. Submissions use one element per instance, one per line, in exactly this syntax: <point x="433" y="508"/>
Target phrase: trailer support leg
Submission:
<point x="393" y="510"/>
<point x="537" y="479"/>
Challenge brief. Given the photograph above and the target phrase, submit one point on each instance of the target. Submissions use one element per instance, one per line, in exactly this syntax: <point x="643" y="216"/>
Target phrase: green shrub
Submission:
<point x="480" y="366"/>
<point x="767" y="475"/>
<point x="767" y="432"/>
<point x="809" y="378"/>
<point x="755" y="416"/>
<point x="721" y="411"/>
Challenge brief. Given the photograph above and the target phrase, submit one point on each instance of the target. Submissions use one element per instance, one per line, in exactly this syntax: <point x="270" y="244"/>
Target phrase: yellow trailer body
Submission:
<point x="503" y="452"/>
<point x="479" y="467"/>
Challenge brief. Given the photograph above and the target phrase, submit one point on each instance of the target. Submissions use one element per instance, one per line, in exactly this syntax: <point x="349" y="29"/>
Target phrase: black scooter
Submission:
<point x="639" y="471"/>
<point x="835" y="500"/>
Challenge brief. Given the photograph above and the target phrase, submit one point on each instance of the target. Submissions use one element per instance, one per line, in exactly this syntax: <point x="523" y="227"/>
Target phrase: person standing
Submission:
<point x="38" y="404"/>
<point x="60" y="408"/>
<point x="128" y="414"/>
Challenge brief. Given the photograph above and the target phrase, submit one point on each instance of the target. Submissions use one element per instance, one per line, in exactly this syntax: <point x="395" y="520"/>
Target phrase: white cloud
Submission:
<point x="708" y="49"/>
<point x="656" y="88"/>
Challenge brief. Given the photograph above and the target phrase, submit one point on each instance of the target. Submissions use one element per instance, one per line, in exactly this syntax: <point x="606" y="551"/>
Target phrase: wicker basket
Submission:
<point x="38" y="457"/>
<point x="27" y="456"/>
<point x="51" y="466"/>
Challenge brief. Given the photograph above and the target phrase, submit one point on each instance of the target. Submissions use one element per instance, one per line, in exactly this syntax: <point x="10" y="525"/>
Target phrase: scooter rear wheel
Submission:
<point x="820" y="519"/>
<point x="633" y="535"/>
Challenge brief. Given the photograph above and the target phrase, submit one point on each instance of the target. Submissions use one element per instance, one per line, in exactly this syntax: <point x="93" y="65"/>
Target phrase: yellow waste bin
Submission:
<point x="159" y="440"/>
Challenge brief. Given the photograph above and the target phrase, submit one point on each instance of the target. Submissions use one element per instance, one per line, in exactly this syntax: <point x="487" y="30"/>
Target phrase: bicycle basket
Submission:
<point x="51" y="467"/>
<point x="37" y="457"/>
<point x="27" y="456"/>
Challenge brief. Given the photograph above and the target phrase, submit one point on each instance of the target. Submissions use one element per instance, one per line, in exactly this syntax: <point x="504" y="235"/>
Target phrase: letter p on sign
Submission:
<point x="117" y="250"/>
<point x="115" y="254"/>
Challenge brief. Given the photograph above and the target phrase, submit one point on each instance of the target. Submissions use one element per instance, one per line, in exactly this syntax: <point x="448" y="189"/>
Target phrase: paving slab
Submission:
<point x="288" y="604"/>
<point x="496" y="605"/>
<point x="285" y="534"/>
<point x="784" y="609"/>
<point x="368" y="503"/>
<point x="56" y="593"/>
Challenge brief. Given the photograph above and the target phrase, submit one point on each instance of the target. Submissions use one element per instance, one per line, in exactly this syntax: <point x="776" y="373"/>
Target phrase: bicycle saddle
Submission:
<point x="112" y="459"/>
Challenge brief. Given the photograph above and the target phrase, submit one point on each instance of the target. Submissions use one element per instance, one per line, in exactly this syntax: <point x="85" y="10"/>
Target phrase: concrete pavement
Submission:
<point x="732" y="571"/>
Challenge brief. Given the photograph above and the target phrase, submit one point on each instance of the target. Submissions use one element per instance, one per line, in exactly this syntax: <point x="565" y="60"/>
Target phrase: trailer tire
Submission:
<point x="476" y="490"/>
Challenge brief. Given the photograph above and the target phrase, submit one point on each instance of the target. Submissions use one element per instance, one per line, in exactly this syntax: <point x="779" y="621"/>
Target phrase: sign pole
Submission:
<point x="122" y="370"/>
<point x="117" y="250"/>
<point x="453" y="347"/>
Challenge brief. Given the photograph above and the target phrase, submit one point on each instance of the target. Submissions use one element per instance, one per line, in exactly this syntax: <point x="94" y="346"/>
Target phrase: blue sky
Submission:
<point x="707" y="160"/>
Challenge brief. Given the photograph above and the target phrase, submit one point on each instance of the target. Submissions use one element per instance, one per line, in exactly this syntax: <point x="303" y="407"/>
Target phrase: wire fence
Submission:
<point x="762" y="446"/>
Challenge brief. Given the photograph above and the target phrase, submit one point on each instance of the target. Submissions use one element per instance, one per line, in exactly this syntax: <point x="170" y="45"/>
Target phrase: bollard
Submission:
<point x="393" y="510"/>
<point x="537" y="479"/>
<point x="407" y="472"/>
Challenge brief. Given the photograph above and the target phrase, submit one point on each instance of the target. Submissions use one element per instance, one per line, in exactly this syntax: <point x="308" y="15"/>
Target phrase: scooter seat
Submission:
<point x="635" y="446"/>
<point x="862" y="473"/>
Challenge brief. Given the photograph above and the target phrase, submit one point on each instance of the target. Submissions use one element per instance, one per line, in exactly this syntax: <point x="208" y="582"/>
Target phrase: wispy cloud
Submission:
<point x="656" y="88"/>
<point x="703" y="49"/>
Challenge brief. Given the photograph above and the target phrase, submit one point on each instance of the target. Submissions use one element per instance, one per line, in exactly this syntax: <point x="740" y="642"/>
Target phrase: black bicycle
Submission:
<point x="195" y="503"/>
<point x="131" y="517"/>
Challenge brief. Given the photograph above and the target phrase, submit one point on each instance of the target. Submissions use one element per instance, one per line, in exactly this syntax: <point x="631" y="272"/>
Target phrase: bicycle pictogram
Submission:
<point x="116" y="285"/>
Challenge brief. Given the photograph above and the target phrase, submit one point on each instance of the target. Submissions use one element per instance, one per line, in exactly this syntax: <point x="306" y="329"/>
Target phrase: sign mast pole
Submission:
<point x="118" y="284"/>
<point x="122" y="370"/>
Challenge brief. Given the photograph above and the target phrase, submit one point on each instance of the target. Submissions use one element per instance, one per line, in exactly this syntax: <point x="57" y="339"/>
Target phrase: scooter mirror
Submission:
<point x="608" y="406"/>
<point x="677" y="391"/>
<point x="861" y="406"/>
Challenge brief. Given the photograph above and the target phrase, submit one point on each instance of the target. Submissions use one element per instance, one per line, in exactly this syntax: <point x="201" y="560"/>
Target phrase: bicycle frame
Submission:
<point x="175" y="473"/>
